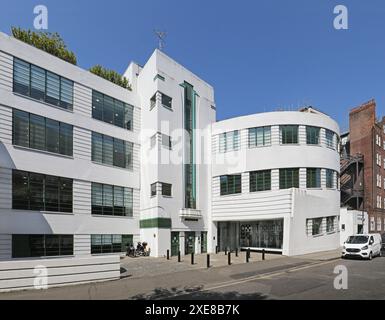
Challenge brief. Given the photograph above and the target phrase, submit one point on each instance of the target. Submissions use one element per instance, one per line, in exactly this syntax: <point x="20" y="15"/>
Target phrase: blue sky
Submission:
<point x="259" y="55"/>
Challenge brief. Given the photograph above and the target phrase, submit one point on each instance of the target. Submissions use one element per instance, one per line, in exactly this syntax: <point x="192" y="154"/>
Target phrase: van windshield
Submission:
<point x="357" y="239"/>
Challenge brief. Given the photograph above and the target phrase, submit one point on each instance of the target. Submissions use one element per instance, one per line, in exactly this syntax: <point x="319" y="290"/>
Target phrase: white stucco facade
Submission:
<point x="176" y="163"/>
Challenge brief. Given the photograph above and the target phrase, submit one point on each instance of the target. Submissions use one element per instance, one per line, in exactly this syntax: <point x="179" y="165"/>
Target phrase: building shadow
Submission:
<point x="196" y="293"/>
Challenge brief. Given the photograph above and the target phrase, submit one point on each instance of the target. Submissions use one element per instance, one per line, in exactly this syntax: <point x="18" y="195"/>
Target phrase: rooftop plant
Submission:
<point x="49" y="42"/>
<point x="111" y="75"/>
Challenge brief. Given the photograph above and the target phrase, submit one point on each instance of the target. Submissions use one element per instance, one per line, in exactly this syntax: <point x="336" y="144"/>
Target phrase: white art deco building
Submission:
<point x="88" y="167"/>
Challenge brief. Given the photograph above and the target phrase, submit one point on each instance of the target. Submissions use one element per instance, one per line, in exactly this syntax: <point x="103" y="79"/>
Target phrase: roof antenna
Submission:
<point x="161" y="36"/>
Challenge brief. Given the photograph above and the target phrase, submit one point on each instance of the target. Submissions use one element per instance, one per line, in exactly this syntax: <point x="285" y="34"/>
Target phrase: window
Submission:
<point x="230" y="184"/>
<point x="41" y="133"/>
<point x="32" y="191"/>
<point x="166" y="101"/>
<point x="20" y="128"/>
<point x="153" y="189"/>
<point x="35" y="245"/>
<point x="40" y="84"/>
<point x="312" y="135"/>
<point x="379" y="224"/>
<point x="260" y="136"/>
<point x="166" y="141"/>
<point x="288" y="178"/>
<point x="329" y="138"/>
<point x="317" y="224"/>
<point x="330" y="179"/>
<point x="153" y="140"/>
<point x="372" y="224"/>
<point x="229" y="141"/>
<point x="37" y="83"/>
<point x="21" y="76"/>
<point x="111" y="200"/>
<point x="313" y="178"/>
<point x="288" y="134"/>
<point x="110" y="243"/>
<point x="37" y="132"/>
<point x="379" y="200"/>
<point x="330" y="226"/>
<point x="153" y="101"/>
<point x="379" y="180"/>
<point x="113" y="111"/>
<point x="166" y="189"/>
<point x="112" y="151"/>
<point x="260" y="180"/>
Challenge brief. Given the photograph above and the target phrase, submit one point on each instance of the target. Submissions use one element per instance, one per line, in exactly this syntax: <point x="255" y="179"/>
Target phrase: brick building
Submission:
<point x="364" y="151"/>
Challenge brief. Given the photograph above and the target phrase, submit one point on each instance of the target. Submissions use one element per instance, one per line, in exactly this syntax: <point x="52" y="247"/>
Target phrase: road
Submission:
<point x="284" y="278"/>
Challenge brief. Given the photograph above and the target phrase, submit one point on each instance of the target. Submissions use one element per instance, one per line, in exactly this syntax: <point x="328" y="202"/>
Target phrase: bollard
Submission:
<point x="192" y="257"/>
<point x="263" y="254"/>
<point x="208" y="260"/>
<point x="248" y="253"/>
<point x="225" y="251"/>
<point x="247" y="256"/>
<point x="168" y="254"/>
<point x="178" y="256"/>
<point x="229" y="258"/>
<point x="236" y="252"/>
<point x="216" y="250"/>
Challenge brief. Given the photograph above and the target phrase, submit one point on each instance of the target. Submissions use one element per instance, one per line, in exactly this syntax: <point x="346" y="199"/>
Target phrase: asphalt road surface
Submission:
<point x="285" y="278"/>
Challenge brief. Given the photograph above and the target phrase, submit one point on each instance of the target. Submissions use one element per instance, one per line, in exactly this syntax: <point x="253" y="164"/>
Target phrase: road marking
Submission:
<point x="260" y="276"/>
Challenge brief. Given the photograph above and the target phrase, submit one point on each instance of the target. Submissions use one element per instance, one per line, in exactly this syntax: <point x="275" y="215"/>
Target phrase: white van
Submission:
<point x="365" y="246"/>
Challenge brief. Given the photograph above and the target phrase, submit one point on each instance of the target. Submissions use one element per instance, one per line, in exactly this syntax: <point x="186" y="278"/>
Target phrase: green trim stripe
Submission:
<point x="158" y="76"/>
<point x="162" y="223"/>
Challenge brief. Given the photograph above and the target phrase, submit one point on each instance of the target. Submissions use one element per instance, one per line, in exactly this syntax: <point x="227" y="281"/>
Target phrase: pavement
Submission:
<point x="278" y="277"/>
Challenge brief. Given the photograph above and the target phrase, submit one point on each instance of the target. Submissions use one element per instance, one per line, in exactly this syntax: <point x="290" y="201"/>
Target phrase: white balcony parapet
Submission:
<point x="190" y="213"/>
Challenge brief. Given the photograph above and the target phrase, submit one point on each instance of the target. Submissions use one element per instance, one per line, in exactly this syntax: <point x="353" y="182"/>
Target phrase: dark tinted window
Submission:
<point x="230" y="184"/>
<point x="25" y="246"/>
<point x="20" y="128"/>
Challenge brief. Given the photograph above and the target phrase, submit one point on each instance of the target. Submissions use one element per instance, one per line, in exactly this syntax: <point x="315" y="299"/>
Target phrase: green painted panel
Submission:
<point x="162" y="223"/>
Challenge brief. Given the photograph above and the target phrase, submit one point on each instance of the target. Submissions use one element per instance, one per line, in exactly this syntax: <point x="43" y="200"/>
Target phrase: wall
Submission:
<point x="21" y="274"/>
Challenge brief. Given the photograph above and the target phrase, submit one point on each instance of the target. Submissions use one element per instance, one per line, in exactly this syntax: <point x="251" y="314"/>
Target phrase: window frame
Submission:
<point x="294" y="132"/>
<point x="49" y="99"/>
<point x="235" y="186"/>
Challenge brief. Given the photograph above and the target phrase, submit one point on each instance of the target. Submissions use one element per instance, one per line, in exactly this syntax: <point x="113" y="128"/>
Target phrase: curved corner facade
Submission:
<point x="275" y="182"/>
<point x="89" y="168"/>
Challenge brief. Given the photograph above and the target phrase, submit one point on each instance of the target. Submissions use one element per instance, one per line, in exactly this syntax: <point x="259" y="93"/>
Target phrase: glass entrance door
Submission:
<point x="174" y="243"/>
<point x="189" y="242"/>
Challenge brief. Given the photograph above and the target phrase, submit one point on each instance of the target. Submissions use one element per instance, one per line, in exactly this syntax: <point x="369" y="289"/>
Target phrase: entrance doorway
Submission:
<point x="174" y="243"/>
<point x="189" y="242"/>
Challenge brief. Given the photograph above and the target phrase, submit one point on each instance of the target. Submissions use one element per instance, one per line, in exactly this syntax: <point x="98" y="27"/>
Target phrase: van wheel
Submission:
<point x="370" y="256"/>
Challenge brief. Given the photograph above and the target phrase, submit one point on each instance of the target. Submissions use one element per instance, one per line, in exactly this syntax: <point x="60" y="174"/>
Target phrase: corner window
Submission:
<point x="230" y="184"/>
<point x="113" y="111"/>
<point x="111" y="200"/>
<point x="110" y="243"/>
<point x="153" y="190"/>
<point x="166" y="141"/>
<point x="112" y="151"/>
<point x="166" y="189"/>
<point x="312" y="135"/>
<point x="288" y="134"/>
